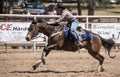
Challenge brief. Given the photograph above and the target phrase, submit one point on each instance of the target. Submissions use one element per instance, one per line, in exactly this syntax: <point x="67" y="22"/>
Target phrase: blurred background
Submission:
<point x="80" y="7"/>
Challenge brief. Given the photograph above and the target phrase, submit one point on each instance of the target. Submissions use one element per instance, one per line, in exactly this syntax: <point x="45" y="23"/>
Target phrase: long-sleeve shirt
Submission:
<point x="66" y="15"/>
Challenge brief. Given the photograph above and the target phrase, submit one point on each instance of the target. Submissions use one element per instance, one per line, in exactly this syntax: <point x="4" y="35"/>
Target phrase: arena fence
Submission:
<point x="106" y="26"/>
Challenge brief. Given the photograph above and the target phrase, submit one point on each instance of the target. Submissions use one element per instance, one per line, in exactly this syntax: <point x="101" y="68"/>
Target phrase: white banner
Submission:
<point x="14" y="31"/>
<point x="107" y="30"/>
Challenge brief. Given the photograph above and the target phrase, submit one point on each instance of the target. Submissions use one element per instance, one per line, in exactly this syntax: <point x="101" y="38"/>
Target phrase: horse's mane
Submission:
<point x="57" y="27"/>
<point x="50" y="26"/>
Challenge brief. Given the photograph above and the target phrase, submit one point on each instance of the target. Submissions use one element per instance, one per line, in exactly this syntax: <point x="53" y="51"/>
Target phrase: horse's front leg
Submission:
<point x="45" y="52"/>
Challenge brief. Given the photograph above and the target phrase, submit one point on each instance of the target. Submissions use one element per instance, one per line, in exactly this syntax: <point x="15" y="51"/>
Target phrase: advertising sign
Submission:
<point x="107" y="30"/>
<point x="14" y="31"/>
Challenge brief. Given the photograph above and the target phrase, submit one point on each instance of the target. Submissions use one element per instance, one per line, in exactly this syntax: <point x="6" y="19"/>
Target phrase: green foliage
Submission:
<point x="104" y="2"/>
<point x="118" y="1"/>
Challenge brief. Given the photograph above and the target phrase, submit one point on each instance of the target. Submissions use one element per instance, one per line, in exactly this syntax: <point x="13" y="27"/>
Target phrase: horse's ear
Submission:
<point x="34" y="20"/>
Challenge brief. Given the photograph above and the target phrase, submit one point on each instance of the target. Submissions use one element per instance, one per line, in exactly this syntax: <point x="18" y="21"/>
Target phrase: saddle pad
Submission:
<point x="87" y="37"/>
<point x="66" y="31"/>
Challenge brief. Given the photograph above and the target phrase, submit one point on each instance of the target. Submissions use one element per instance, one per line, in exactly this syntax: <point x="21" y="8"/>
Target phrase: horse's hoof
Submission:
<point x="101" y="69"/>
<point x="44" y="62"/>
<point x="34" y="67"/>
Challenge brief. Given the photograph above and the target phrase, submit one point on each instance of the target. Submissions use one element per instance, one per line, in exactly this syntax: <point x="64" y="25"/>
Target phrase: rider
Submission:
<point x="72" y="22"/>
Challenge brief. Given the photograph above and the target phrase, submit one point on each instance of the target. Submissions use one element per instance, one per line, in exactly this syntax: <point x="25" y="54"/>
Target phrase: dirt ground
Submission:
<point x="59" y="64"/>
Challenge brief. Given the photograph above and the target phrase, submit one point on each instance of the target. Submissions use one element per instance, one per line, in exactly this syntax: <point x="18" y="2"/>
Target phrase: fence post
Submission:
<point x="34" y="47"/>
<point x="6" y="48"/>
<point x="87" y="21"/>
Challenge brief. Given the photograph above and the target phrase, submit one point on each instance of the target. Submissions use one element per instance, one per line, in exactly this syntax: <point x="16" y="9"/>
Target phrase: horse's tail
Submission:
<point x="108" y="44"/>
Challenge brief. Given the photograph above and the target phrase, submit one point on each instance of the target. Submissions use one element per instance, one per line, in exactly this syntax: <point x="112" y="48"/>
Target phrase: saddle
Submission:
<point x="86" y="35"/>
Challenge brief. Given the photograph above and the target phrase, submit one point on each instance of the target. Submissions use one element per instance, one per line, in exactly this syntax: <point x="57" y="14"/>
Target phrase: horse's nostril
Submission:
<point x="27" y="39"/>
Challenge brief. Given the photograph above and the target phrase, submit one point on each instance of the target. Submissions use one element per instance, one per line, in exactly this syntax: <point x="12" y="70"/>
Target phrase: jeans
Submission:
<point x="74" y="25"/>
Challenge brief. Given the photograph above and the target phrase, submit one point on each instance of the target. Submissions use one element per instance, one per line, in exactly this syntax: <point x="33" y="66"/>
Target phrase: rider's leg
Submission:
<point x="73" y="32"/>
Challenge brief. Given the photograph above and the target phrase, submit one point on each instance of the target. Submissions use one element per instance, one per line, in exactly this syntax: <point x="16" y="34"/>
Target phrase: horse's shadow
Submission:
<point x="52" y="71"/>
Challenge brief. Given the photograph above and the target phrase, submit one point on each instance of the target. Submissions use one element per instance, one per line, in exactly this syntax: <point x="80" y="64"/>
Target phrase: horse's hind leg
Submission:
<point x="101" y="60"/>
<point x="99" y="57"/>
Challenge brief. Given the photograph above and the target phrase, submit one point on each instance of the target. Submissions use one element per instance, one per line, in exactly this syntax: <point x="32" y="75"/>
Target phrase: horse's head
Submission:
<point x="39" y="26"/>
<point x="33" y="30"/>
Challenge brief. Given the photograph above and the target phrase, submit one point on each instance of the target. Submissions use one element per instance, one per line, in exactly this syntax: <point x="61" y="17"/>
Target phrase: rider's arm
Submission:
<point x="60" y="18"/>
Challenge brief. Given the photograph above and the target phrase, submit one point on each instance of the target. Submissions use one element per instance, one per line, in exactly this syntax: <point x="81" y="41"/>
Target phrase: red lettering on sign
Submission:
<point x="5" y="26"/>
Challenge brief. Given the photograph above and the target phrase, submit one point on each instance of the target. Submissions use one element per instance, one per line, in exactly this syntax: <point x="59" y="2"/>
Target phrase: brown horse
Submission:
<point x="56" y="40"/>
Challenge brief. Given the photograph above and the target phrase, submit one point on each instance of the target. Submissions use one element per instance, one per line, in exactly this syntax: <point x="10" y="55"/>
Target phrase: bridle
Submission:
<point x="39" y="31"/>
<point x="45" y="24"/>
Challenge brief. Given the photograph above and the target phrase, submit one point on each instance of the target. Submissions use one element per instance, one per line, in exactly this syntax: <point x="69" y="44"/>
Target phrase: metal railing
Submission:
<point x="82" y="19"/>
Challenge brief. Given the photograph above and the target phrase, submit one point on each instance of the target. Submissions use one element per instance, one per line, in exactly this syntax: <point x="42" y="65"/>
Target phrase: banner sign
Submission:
<point x="107" y="30"/>
<point x="14" y="31"/>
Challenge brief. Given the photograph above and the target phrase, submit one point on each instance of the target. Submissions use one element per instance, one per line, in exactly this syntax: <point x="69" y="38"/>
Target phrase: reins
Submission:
<point x="42" y="31"/>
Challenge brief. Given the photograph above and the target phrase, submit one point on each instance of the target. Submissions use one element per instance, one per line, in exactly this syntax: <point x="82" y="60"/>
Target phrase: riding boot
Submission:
<point x="80" y="43"/>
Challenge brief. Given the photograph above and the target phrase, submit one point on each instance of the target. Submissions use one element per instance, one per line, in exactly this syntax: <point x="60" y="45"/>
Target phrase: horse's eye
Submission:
<point x="32" y="25"/>
<point x="29" y="29"/>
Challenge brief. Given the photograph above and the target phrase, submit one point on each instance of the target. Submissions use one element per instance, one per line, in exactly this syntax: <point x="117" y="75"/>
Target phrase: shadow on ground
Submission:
<point x="52" y="71"/>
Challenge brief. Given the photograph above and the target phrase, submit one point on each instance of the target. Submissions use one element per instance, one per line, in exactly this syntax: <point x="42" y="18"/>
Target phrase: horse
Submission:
<point x="57" y="41"/>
